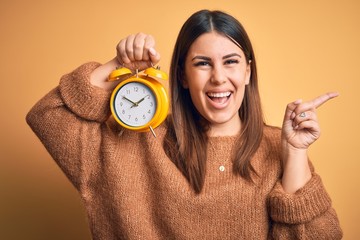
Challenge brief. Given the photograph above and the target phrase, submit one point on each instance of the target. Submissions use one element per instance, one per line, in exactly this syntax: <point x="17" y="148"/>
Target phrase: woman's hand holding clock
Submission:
<point x="134" y="53"/>
<point x="137" y="51"/>
<point x="139" y="101"/>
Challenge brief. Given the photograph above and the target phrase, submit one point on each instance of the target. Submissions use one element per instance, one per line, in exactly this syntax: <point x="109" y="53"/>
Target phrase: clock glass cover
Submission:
<point x="135" y="104"/>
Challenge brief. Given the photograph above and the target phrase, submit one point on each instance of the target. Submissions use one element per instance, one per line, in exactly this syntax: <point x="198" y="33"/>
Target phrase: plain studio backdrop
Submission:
<point x="303" y="49"/>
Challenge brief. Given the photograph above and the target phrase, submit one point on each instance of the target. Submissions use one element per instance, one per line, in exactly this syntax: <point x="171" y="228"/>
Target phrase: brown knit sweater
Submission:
<point x="132" y="190"/>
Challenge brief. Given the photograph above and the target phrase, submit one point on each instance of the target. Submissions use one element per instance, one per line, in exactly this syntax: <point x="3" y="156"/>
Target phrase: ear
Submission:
<point x="248" y="73"/>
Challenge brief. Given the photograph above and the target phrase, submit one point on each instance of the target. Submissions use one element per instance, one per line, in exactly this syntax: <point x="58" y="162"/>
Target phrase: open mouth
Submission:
<point x="219" y="97"/>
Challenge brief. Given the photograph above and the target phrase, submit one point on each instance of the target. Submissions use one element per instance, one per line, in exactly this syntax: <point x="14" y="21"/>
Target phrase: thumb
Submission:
<point x="289" y="112"/>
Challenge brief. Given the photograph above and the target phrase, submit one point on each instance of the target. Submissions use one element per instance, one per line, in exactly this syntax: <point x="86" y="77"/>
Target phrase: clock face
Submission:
<point x="135" y="104"/>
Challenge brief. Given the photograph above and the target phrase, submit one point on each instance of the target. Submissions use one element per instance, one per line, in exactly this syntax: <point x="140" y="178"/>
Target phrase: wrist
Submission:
<point x="99" y="77"/>
<point x="289" y="151"/>
<point x="296" y="169"/>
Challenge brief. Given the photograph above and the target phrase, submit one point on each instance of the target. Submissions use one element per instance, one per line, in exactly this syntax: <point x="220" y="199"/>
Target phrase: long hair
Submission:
<point x="186" y="140"/>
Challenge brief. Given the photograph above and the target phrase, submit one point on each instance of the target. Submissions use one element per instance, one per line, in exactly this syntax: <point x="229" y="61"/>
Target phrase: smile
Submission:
<point x="219" y="98"/>
<point x="219" y="95"/>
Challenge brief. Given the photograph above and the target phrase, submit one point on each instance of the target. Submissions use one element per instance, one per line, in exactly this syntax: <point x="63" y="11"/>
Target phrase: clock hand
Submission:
<point x="134" y="103"/>
<point x="137" y="103"/>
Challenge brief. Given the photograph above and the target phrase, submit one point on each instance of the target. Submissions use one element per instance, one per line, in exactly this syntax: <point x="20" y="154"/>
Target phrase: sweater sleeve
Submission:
<point x="68" y="121"/>
<point x="306" y="214"/>
<point x="81" y="97"/>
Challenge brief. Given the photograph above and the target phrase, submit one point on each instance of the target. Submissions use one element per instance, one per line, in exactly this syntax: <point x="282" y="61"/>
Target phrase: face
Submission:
<point x="216" y="73"/>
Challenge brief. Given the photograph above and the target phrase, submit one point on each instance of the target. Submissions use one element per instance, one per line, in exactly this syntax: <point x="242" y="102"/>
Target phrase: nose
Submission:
<point x="218" y="75"/>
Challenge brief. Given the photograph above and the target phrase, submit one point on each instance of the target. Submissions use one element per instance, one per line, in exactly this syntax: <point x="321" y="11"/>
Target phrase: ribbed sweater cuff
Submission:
<point x="81" y="97"/>
<point x="304" y="205"/>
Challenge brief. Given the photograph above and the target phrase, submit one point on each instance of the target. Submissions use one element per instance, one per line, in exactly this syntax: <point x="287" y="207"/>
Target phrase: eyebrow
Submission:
<point x="224" y="57"/>
<point x="231" y="55"/>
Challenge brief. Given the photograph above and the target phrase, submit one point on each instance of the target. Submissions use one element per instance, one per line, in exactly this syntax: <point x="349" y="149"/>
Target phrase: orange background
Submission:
<point x="303" y="49"/>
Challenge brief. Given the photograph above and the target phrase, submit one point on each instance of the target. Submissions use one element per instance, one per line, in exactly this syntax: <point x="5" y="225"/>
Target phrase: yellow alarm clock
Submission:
<point x="140" y="102"/>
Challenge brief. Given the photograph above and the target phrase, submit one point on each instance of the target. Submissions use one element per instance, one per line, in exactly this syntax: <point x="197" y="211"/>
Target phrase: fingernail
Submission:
<point x="292" y="115"/>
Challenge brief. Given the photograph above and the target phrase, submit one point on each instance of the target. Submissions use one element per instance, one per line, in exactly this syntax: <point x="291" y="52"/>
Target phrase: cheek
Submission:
<point x="196" y="92"/>
<point x="196" y="80"/>
<point x="188" y="79"/>
<point x="240" y="79"/>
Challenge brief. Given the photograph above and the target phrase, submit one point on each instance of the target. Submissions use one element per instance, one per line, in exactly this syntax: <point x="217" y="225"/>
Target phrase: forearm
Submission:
<point x="300" y="129"/>
<point x="296" y="169"/>
<point x="67" y="117"/>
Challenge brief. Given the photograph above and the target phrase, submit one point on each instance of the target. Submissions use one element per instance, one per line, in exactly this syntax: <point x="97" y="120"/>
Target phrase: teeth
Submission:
<point x="219" y="95"/>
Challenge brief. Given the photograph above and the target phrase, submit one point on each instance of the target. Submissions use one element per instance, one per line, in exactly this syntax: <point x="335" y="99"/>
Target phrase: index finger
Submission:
<point x="317" y="102"/>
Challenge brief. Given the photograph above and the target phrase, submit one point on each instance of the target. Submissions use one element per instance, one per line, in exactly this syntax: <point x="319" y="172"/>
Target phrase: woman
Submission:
<point x="215" y="171"/>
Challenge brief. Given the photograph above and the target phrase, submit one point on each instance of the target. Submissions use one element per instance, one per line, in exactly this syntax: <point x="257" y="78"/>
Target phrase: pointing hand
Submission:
<point x="301" y="127"/>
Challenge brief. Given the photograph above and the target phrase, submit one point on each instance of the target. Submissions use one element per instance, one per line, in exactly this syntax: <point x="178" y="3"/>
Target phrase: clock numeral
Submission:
<point x="123" y="111"/>
<point x="149" y="112"/>
<point x="136" y="119"/>
<point x="144" y="116"/>
<point x="121" y="103"/>
<point x="127" y="91"/>
<point x="151" y="104"/>
<point x="129" y="116"/>
<point x="136" y="89"/>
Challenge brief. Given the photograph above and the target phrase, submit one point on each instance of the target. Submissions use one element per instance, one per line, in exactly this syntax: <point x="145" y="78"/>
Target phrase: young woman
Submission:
<point x="215" y="171"/>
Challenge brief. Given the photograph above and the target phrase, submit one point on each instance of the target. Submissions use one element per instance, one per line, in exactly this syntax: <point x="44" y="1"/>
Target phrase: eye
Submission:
<point x="202" y="63"/>
<point x="231" y="61"/>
